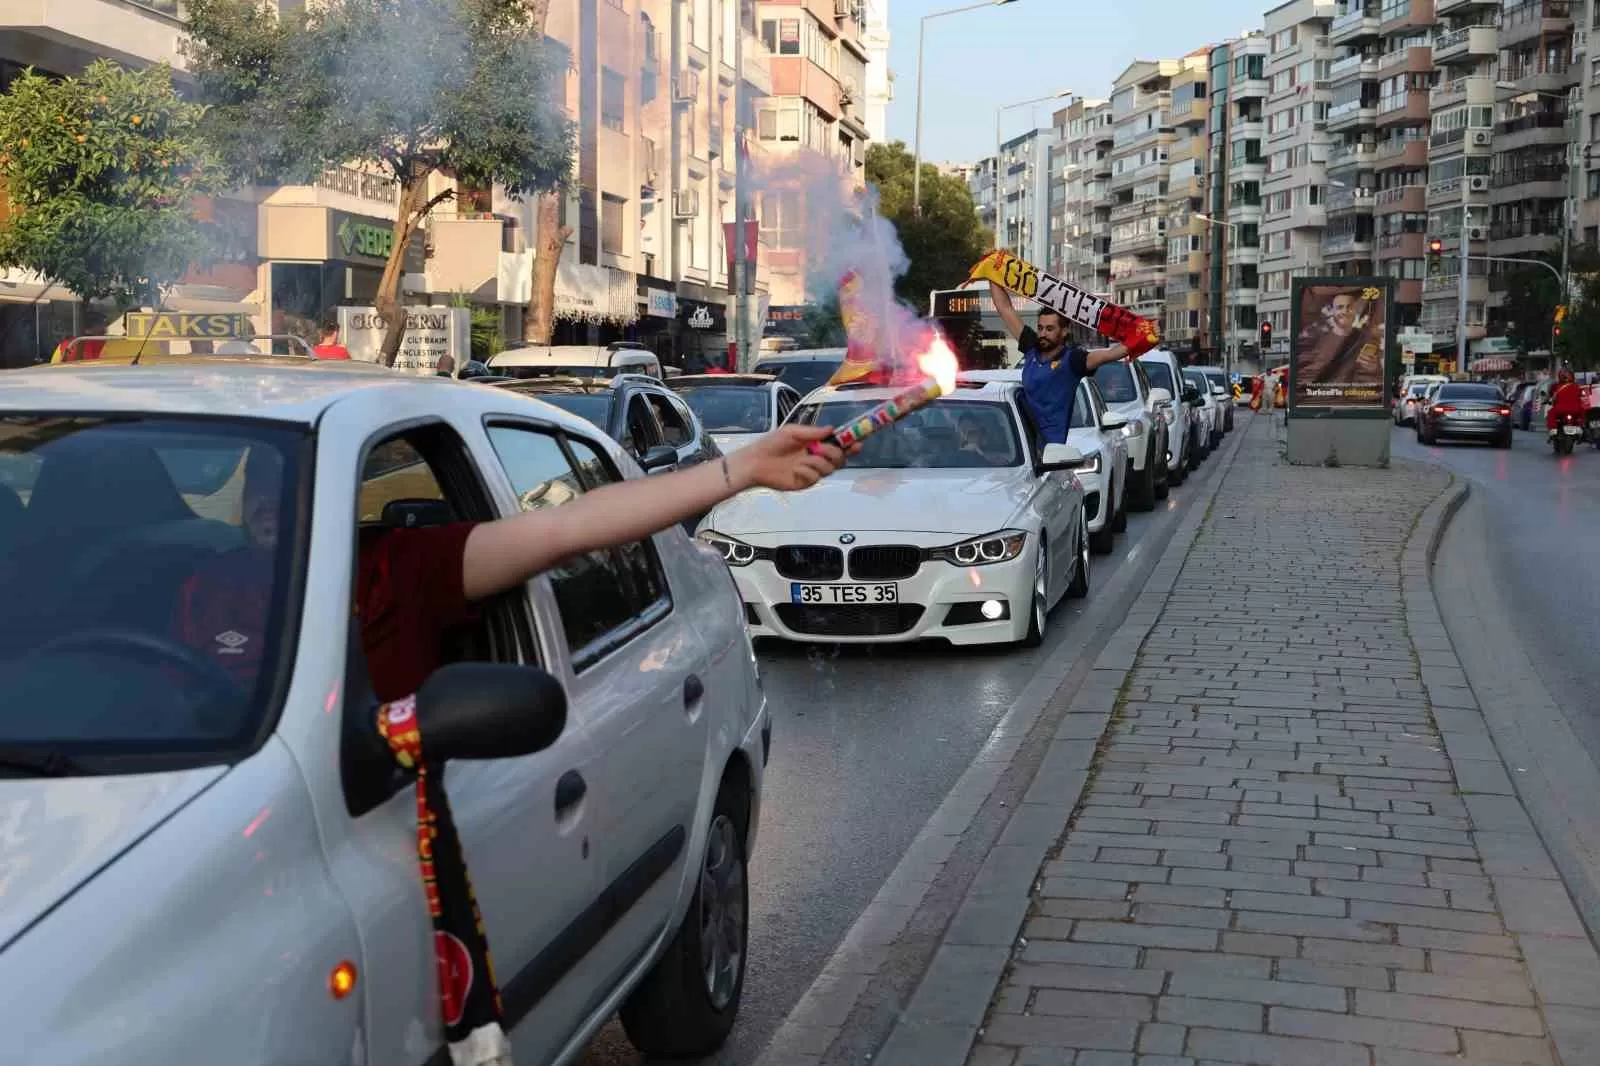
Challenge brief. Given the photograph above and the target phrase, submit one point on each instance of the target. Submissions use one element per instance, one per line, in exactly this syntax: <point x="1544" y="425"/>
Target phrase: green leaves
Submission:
<point x="945" y="240"/>
<point x="103" y="171"/>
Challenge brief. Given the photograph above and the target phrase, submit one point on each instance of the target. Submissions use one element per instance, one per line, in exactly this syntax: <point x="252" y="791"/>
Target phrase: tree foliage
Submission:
<point x="943" y="242"/>
<point x="427" y="89"/>
<point x="1579" y="344"/>
<point x="102" y="171"/>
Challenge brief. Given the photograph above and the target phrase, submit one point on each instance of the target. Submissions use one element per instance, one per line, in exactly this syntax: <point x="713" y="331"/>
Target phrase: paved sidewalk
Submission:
<point x="1297" y="845"/>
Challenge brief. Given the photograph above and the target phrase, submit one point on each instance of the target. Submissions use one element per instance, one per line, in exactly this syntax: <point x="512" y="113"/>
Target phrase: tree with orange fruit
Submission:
<point x="105" y="174"/>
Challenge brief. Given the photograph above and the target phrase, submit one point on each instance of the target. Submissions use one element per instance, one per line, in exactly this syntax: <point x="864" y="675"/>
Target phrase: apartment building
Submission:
<point x="1188" y="228"/>
<point x="1294" y="154"/>
<point x="1585" y="159"/>
<point x="880" y="79"/>
<point x="1023" y="196"/>
<point x="1214" y="322"/>
<point x="1246" y="169"/>
<point x="1080" y="214"/>
<point x="1142" y="136"/>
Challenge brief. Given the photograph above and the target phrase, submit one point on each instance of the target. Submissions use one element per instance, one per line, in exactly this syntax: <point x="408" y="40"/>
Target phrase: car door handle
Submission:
<point x="570" y="789"/>
<point x="693" y="690"/>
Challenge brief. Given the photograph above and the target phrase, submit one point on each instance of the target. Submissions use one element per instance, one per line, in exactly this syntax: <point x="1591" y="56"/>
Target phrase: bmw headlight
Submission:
<point x="734" y="552"/>
<point x="998" y="547"/>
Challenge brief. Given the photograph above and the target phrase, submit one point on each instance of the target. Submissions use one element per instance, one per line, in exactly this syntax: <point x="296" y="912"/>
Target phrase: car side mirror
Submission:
<point x="1191" y="396"/>
<point x="661" y="457"/>
<point x="1060" y="457"/>
<point x="1160" y="397"/>
<point x="1113" y="421"/>
<point x="489" y="711"/>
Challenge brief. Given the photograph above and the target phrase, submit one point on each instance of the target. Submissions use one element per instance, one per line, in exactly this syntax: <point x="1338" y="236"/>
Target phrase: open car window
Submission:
<point x="148" y="564"/>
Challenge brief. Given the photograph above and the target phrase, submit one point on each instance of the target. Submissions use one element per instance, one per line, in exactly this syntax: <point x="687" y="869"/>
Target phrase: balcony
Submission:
<point x="1352" y="115"/>
<point x="1540" y="181"/>
<point x="67" y="33"/>
<point x="1463" y="7"/>
<point x="1539" y="128"/>
<point x="1469" y="43"/>
<point x="1409" y="108"/>
<point x="1344" y="246"/>
<point x="1250" y="88"/>
<point x="1359" y="25"/>
<point x="1394" y="154"/>
<point x="1533" y="18"/>
<point x="1410" y="199"/>
<point x="1401" y="246"/>
<point x="1405" y="15"/>
<point x="1353" y="67"/>
<point x="1476" y="89"/>
<point x="1343" y="200"/>
<point x="1248" y="129"/>
<point x="1345" y="156"/>
<point x="1308" y="216"/>
<point x="1146" y="207"/>
<point x="1551" y="77"/>
<point x="1525" y="236"/>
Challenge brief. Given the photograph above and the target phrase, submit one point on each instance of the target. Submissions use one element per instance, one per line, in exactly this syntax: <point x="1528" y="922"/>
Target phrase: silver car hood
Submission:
<point x="732" y="442"/>
<point x="56" y="833"/>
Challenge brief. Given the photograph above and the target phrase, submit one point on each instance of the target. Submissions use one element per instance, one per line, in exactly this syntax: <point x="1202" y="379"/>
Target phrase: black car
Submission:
<point x="640" y="413"/>
<point x="1465" y="411"/>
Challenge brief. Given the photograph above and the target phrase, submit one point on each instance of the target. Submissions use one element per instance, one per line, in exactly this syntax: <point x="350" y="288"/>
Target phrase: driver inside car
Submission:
<point x="413" y="586"/>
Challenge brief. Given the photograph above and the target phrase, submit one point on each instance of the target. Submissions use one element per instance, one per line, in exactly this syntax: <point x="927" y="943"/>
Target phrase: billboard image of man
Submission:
<point x="1340" y="347"/>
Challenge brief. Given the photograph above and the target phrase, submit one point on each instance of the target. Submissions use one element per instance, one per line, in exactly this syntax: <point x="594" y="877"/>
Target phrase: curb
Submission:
<point x="945" y="1015"/>
<point x="1533" y="901"/>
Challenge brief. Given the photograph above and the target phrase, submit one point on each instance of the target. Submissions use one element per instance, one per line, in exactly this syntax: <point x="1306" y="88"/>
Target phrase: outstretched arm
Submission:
<point x="1008" y="313"/>
<point x="1102" y="356"/>
<point x="503" y="554"/>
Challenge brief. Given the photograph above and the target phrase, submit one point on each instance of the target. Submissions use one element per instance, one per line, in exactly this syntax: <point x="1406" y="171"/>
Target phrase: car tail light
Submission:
<point x="1502" y="410"/>
<point x="1440" y="409"/>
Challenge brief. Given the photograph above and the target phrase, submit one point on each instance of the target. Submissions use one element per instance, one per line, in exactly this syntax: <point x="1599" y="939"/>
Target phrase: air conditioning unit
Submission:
<point x="686" y="203"/>
<point x="1480" y="138"/>
<point x="686" y="87"/>
<point x="1477" y="233"/>
<point x="1477" y="183"/>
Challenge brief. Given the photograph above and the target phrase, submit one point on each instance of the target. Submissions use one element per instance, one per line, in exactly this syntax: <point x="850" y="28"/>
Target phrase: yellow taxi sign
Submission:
<point x="185" y="325"/>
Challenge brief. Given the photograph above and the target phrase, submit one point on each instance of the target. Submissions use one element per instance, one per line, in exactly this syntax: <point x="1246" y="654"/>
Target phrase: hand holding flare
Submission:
<point x="938" y="362"/>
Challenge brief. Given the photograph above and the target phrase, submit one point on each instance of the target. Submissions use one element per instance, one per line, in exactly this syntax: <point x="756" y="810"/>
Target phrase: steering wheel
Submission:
<point x="215" y="683"/>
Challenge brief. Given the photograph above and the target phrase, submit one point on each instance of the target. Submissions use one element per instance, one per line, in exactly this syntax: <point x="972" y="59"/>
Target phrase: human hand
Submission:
<point x="790" y="458"/>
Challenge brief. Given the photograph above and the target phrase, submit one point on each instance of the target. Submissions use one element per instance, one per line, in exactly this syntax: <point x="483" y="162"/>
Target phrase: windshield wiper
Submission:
<point x="39" y="762"/>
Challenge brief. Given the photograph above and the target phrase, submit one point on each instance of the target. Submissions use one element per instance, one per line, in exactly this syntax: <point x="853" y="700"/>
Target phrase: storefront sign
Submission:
<point x="701" y="319"/>
<point x="589" y="293"/>
<point x="185" y="325"/>
<point x="359" y="183"/>
<point x="431" y="332"/>
<point x="1338" y="345"/>
<point x="661" y="303"/>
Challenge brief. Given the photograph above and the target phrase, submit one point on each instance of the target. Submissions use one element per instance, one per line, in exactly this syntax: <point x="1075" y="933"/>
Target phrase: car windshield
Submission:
<point x="593" y="406"/>
<point x="1160" y="376"/>
<point x="801" y="375"/>
<point x="1116" y="382"/>
<point x="1420" y="390"/>
<point x="949" y="435"/>
<point x="149" y="576"/>
<point x="725" y="409"/>
<point x="1470" y="392"/>
<point x="550" y="370"/>
<point x="1197" y="381"/>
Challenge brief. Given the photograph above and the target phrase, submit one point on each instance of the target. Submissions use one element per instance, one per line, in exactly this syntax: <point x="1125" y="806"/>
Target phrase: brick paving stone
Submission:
<point x="1272" y="865"/>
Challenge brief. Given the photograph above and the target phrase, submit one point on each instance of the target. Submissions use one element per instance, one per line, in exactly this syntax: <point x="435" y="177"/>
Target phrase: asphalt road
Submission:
<point x="1541" y="522"/>
<point x="866" y="744"/>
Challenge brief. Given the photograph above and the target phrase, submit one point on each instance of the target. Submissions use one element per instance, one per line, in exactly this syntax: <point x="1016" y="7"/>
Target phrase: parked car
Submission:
<point x="1464" y="411"/>
<point x="574" y="360"/>
<point x="193" y="865"/>
<point x="736" y="408"/>
<point x="1210" y="409"/>
<point x="960" y="525"/>
<point x="1125" y="387"/>
<point x="1523" y="396"/>
<point x="1222" y="389"/>
<point x="802" y="369"/>
<point x="649" y="420"/>
<point x="1183" y="427"/>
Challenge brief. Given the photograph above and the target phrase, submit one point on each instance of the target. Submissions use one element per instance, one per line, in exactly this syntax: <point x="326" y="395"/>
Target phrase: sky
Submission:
<point x="978" y="61"/>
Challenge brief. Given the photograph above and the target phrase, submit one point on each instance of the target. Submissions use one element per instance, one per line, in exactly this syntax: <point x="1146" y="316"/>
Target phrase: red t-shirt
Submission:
<point x="409" y="596"/>
<point x="331" y="351"/>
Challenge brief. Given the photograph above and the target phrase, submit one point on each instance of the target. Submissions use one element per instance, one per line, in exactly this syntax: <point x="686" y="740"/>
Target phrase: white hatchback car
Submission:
<point x="955" y="524"/>
<point x="207" y="867"/>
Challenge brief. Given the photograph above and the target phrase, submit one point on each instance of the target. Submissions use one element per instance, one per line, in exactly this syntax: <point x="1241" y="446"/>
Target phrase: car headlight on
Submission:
<point x="734" y="552"/>
<point x="998" y="547"/>
<point x="1134" y="428"/>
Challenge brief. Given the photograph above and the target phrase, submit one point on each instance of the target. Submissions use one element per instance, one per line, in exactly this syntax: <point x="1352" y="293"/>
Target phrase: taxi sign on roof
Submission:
<point x="185" y="325"/>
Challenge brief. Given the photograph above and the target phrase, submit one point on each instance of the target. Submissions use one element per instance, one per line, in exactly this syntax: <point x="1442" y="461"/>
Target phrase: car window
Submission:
<point x="1198" y="382"/>
<point x="802" y="375"/>
<point x="1160" y="375"/>
<point x="602" y="594"/>
<point x="730" y="409"/>
<point x="149" y="571"/>
<point x="948" y="435"/>
<point x="394" y="472"/>
<point x="1469" y="392"/>
<point x="1083" y="416"/>
<point x="639" y="430"/>
<point x="1116" y="382"/>
<point x="675" y="429"/>
<point x="592" y="407"/>
<point x="787" y="400"/>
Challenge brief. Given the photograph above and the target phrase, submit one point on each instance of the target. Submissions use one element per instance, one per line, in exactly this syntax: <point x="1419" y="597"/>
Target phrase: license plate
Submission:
<point x="830" y="594"/>
<point x="1478" y="414"/>
<point x="1572" y="431"/>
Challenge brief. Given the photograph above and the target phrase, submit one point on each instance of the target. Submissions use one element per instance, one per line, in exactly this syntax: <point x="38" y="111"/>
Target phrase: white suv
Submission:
<point x="1183" y="429"/>
<point x="1126" y="389"/>
<point x="212" y="871"/>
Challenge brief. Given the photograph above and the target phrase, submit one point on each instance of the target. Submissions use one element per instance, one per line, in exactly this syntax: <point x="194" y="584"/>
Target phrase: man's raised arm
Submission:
<point x="1008" y="313"/>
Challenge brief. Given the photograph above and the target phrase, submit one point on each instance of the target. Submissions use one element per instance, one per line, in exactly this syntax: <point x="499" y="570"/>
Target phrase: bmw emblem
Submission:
<point x="847" y="538"/>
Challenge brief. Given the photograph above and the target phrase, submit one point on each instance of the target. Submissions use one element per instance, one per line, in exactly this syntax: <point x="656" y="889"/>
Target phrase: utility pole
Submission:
<point x="1461" y="289"/>
<point x="741" y="266"/>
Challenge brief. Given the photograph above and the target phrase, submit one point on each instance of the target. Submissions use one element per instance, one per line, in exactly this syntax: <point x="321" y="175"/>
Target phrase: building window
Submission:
<point x="611" y="227"/>
<point x="613" y="98"/>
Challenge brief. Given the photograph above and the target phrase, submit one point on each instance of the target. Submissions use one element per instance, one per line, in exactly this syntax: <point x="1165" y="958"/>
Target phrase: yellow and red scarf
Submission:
<point x="1138" y="335"/>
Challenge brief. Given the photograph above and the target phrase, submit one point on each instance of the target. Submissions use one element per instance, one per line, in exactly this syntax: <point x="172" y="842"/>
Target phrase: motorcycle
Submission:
<point x="1566" y="433"/>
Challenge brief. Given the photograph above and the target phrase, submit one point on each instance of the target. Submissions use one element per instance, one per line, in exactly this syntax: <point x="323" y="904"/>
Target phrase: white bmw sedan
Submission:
<point x="955" y="524"/>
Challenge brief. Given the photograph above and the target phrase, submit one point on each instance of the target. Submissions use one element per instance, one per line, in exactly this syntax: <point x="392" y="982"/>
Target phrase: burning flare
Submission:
<point x="939" y="363"/>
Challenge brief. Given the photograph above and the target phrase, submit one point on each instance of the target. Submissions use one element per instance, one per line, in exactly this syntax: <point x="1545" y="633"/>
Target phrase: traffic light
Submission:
<point x="1266" y="335"/>
<point x="1561" y="315"/>
<point x="1435" y="254"/>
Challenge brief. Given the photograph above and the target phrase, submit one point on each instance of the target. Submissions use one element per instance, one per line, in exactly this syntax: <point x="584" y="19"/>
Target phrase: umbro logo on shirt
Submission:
<point x="231" y="642"/>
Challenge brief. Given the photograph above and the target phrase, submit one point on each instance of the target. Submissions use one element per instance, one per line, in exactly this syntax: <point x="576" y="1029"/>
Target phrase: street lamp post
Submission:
<point x="1227" y="304"/>
<point x="998" y="112"/>
<point x="922" y="32"/>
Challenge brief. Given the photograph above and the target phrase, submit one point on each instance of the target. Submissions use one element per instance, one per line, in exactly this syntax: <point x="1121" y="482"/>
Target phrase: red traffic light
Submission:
<point x="1435" y="246"/>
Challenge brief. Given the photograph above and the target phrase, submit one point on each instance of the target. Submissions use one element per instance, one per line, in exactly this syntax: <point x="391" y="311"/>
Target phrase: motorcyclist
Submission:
<point x="1565" y="399"/>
